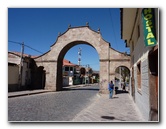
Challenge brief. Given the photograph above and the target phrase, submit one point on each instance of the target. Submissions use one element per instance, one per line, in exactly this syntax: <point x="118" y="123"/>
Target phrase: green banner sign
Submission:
<point x="149" y="26"/>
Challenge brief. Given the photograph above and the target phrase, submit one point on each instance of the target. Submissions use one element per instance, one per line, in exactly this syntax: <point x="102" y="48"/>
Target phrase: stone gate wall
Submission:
<point x="109" y="58"/>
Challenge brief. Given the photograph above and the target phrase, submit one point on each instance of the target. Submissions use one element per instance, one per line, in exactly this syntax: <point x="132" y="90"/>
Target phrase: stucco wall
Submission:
<point x="141" y="55"/>
<point x="142" y="96"/>
<point x="13" y="76"/>
<point x="13" y="58"/>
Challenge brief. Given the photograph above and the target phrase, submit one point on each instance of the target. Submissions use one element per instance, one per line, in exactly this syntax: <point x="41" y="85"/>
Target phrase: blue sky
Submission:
<point x="39" y="28"/>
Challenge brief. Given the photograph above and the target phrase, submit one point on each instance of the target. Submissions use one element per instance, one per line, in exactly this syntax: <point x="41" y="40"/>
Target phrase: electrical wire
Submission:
<point x="113" y="28"/>
<point x="24" y="45"/>
<point x="33" y="49"/>
<point x="15" y="42"/>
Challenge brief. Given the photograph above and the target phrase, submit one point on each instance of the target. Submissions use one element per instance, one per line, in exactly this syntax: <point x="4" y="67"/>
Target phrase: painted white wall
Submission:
<point x="140" y="53"/>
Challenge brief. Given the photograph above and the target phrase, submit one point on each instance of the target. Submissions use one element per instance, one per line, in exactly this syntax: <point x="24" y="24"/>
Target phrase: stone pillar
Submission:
<point x="51" y="70"/>
<point x="112" y="77"/>
<point x="104" y="76"/>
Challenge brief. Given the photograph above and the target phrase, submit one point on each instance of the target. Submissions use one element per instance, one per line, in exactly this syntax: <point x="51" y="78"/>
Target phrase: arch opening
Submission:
<point x="74" y="74"/>
<point x="122" y="78"/>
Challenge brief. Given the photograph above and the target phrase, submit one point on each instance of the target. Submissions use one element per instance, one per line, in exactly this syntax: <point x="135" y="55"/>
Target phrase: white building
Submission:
<point x="139" y="28"/>
<point x="68" y="72"/>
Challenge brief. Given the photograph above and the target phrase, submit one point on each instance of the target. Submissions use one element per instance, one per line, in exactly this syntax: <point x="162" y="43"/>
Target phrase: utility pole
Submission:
<point x="88" y="73"/>
<point x="21" y="65"/>
<point x="79" y="56"/>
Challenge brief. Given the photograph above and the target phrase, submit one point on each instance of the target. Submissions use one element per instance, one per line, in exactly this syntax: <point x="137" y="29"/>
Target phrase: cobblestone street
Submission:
<point x="77" y="104"/>
<point x="51" y="106"/>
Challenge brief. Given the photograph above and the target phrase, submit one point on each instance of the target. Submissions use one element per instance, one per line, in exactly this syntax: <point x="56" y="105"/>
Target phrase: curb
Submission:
<point x="27" y="93"/>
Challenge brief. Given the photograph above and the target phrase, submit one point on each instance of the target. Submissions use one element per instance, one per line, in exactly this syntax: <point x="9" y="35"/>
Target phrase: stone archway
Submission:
<point x="108" y="57"/>
<point x="121" y="72"/>
<point x="122" y="76"/>
<point x="60" y="61"/>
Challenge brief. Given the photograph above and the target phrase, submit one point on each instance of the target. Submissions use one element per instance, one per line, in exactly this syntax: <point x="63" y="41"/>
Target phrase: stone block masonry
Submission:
<point x="109" y="58"/>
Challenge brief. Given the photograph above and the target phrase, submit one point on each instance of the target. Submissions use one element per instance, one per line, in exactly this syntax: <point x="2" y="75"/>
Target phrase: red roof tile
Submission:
<point x="67" y="63"/>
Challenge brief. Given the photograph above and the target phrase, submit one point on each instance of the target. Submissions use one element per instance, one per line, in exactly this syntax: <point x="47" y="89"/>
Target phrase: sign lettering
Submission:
<point x="149" y="26"/>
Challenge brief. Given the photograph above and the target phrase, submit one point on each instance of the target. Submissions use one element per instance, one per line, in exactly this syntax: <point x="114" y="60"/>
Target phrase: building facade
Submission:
<point x="74" y="74"/>
<point x="13" y="76"/>
<point x="68" y="72"/>
<point x="24" y="75"/>
<point x="139" y="29"/>
<point x="19" y="71"/>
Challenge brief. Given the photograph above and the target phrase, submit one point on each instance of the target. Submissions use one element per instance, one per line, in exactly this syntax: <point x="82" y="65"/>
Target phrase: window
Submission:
<point x="66" y="68"/>
<point x="71" y="68"/>
<point x="139" y="76"/>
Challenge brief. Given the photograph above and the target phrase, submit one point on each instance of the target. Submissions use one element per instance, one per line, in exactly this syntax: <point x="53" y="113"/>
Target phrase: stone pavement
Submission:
<point x="119" y="109"/>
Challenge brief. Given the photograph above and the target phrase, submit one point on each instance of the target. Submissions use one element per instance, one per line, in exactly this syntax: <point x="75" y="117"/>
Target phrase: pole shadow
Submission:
<point x="108" y="117"/>
<point x="111" y="118"/>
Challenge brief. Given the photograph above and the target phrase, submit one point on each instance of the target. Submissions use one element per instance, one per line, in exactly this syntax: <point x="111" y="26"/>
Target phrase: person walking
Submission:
<point x="111" y="89"/>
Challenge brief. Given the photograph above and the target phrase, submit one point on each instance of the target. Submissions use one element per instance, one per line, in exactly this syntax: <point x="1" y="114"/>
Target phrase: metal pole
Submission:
<point x="88" y="73"/>
<point x="79" y="56"/>
<point x="21" y="64"/>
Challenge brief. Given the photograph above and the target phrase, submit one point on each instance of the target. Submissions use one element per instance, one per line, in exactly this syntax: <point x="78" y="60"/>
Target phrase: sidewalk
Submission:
<point x="119" y="109"/>
<point x="27" y="92"/>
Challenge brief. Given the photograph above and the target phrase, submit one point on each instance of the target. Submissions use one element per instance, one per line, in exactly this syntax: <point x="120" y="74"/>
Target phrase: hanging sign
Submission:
<point x="149" y="26"/>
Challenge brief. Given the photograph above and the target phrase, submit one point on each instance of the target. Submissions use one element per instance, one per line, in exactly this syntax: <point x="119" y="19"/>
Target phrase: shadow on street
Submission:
<point x="71" y="89"/>
<point x="80" y="88"/>
<point x="111" y="118"/>
<point x="108" y="117"/>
